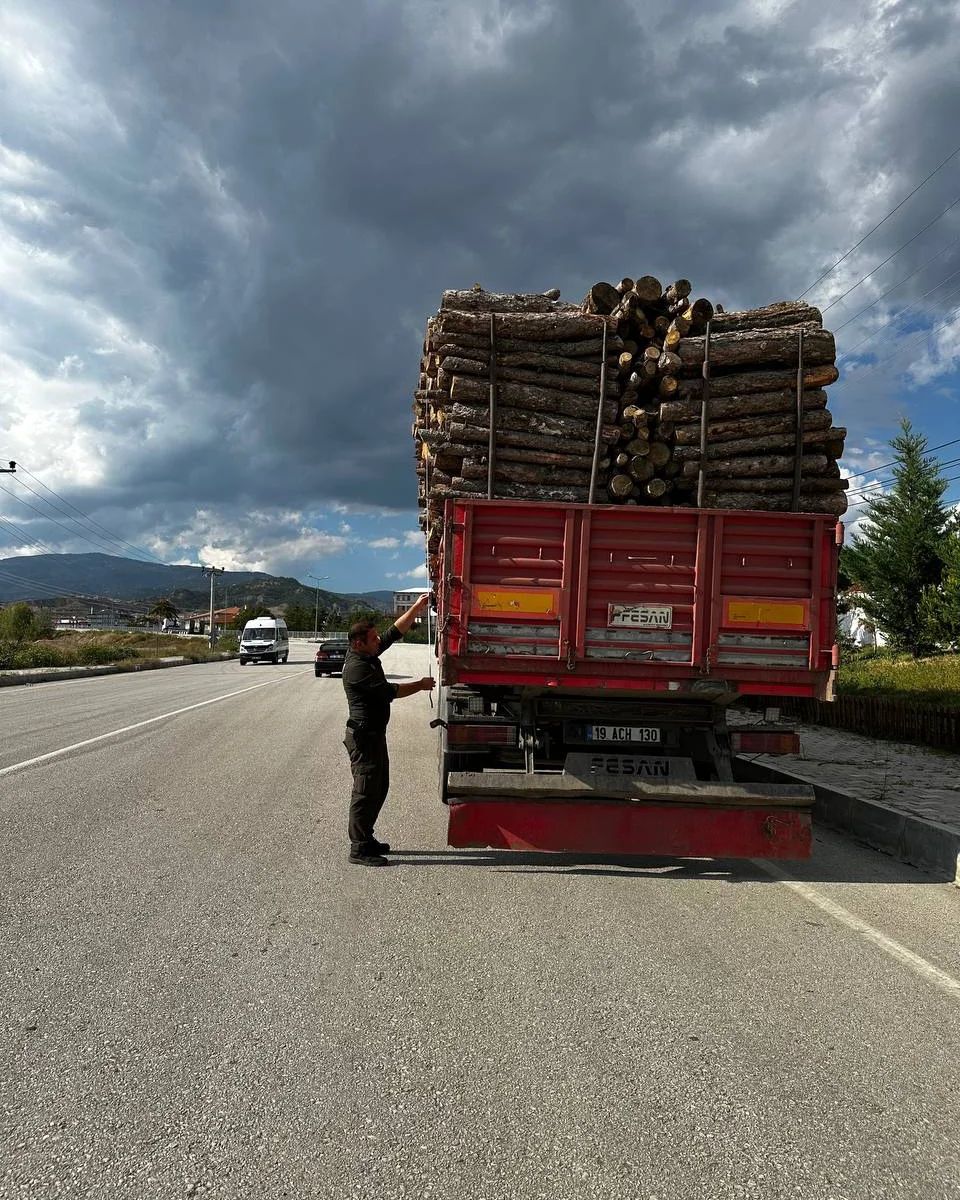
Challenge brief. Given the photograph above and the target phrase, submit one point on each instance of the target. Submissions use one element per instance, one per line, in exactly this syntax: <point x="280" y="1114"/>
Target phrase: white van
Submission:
<point x="264" y="637"/>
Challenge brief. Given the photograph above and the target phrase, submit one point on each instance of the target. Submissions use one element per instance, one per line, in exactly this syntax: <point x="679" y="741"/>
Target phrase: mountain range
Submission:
<point x="52" y="579"/>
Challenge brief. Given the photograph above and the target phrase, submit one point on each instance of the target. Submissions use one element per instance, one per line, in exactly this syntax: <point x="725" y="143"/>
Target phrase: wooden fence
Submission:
<point x="878" y="716"/>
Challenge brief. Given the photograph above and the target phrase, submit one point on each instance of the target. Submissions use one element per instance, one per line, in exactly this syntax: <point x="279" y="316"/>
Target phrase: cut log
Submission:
<point x="748" y="383"/>
<point x="680" y="289"/>
<point x="602" y="298"/>
<point x="752" y="427"/>
<point x="657" y="488"/>
<point x="731" y="407"/>
<point x="699" y="313"/>
<point x="533" y="359"/>
<point x="478" y="434"/>
<point x="835" y="504"/>
<point x="589" y="347"/>
<point x="640" y="469"/>
<point x="659" y="454"/>
<point x="620" y="487"/>
<point x="467" y="389"/>
<point x="757" y="445"/>
<point x="771" y="316"/>
<point x="648" y="289"/>
<point x="519" y="420"/>
<point x="510" y="472"/>
<point x="749" y="347"/>
<point x="516" y="491"/>
<point x="565" y="384"/>
<point x="478" y="300"/>
<point x="517" y="454"/>
<point x="759" y="465"/>
<point x="776" y="483"/>
<point x="528" y="327"/>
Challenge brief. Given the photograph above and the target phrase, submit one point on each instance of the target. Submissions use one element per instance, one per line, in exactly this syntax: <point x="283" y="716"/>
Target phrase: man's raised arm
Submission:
<point x="406" y="620"/>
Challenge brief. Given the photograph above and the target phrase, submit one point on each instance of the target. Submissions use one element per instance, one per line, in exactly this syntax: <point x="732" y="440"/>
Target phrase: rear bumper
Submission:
<point x="619" y="827"/>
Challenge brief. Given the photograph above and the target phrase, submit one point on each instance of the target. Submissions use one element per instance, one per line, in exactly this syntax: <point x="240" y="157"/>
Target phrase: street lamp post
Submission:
<point x="316" y="609"/>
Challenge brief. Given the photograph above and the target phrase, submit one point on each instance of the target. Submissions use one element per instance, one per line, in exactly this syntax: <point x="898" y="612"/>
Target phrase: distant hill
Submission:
<point x="43" y="578"/>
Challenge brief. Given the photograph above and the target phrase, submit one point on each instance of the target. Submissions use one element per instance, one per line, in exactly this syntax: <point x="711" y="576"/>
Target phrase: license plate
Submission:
<point x="623" y="733"/>
<point x="640" y="616"/>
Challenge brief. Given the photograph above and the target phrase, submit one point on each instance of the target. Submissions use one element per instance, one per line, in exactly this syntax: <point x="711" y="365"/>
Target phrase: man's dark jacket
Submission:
<point x="369" y="695"/>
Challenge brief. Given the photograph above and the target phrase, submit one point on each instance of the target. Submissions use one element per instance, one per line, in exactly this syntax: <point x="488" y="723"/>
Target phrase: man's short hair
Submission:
<point x="359" y="629"/>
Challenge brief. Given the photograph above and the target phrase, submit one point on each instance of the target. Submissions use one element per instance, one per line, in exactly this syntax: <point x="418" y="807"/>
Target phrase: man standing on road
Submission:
<point x="369" y="697"/>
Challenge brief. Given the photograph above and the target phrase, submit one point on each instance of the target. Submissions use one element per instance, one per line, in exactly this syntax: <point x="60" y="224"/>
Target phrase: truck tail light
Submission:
<point x="484" y="735"/>
<point x="765" y="741"/>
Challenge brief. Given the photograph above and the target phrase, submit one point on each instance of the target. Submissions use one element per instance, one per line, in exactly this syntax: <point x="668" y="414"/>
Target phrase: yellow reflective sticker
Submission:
<point x="541" y="603"/>
<point x="792" y="613"/>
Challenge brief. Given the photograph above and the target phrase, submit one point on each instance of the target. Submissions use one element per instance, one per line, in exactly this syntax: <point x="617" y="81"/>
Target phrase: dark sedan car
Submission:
<point x="330" y="657"/>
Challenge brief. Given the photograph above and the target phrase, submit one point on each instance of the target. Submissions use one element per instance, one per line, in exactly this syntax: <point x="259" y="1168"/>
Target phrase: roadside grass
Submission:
<point x="92" y="648"/>
<point x="934" y="680"/>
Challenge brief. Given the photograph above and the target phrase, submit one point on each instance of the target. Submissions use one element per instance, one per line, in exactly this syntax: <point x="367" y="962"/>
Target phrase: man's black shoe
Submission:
<point x="380" y="847"/>
<point x="368" y="859"/>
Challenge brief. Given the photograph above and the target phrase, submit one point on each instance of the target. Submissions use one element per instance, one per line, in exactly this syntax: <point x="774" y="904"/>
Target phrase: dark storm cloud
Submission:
<point x="270" y="199"/>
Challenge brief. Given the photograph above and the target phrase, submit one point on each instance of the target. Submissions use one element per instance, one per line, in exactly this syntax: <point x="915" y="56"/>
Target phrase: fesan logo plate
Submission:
<point x="639" y="616"/>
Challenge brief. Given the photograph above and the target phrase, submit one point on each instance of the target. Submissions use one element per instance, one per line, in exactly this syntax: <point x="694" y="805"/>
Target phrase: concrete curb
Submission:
<point x="922" y="843"/>
<point x="49" y="674"/>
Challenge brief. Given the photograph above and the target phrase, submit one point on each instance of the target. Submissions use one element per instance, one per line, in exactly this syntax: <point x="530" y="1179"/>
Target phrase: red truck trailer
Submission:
<point x="588" y="654"/>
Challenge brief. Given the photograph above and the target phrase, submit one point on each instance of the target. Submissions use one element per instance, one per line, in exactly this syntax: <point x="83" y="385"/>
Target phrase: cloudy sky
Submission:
<point x="223" y="224"/>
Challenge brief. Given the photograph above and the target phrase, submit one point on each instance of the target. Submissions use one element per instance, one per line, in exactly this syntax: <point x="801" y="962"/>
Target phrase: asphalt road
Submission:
<point x="201" y="997"/>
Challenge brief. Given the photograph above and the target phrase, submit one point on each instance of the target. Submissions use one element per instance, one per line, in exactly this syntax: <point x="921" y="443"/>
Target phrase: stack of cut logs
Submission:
<point x="542" y="363"/>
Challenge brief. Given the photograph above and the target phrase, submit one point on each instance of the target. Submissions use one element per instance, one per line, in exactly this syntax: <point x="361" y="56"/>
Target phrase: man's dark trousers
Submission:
<point x="370" y="766"/>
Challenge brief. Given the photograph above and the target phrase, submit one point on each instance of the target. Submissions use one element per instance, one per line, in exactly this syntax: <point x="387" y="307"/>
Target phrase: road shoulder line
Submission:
<point x="101" y="737"/>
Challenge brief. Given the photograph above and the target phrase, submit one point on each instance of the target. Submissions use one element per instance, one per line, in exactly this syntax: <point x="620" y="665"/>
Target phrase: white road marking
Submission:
<point x="31" y="762"/>
<point x="926" y="970"/>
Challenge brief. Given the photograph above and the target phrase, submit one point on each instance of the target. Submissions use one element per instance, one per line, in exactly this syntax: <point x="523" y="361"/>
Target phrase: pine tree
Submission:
<point x="900" y="552"/>
<point x="940" y="607"/>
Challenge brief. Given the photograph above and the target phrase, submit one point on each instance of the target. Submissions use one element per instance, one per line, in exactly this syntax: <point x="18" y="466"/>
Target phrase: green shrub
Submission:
<point x="98" y="654"/>
<point x="40" y="655"/>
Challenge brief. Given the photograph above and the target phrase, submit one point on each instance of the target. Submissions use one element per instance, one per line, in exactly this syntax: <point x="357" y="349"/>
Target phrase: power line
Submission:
<point x="96" y="524"/>
<point x="827" y="307"/>
<point x="897" y="461"/>
<point x="22" y="537"/>
<point x="949" y="479"/>
<point x="884" y="295"/>
<point x="880" y="483"/>
<point x="918" y="337"/>
<point x="879" y="223"/>
<point x="906" y="308"/>
<point x="99" y="542"/>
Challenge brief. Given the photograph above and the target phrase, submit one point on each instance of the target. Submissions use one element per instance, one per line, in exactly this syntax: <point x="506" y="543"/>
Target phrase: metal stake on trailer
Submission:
<point x="596" y="436"/>
<point x="491" y="440"/>
<point x="704" y="402"/>
<point x="798" y="447"/>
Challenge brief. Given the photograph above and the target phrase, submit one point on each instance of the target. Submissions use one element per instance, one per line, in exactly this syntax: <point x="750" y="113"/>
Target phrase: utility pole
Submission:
<point x="316" y="609"/>
<point x="213" y="572"/>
